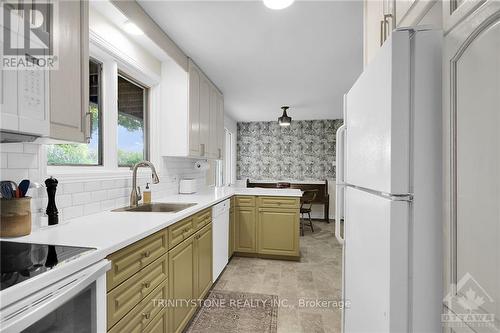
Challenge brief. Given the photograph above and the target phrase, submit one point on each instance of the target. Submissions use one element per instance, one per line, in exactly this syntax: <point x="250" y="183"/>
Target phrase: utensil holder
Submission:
<point x="15" y="217"/>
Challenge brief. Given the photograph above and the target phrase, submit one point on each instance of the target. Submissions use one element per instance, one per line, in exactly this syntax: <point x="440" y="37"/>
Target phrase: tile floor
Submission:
<point x="316" y="277"/>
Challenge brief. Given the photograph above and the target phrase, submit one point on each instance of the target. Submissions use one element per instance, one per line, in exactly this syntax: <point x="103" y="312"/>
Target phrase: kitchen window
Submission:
<point x="132" y="106"/>
<point x="91" y="152"/>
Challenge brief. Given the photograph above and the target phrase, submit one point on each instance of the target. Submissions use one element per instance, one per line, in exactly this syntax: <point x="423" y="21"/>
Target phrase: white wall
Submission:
<point x="231" y="126"/>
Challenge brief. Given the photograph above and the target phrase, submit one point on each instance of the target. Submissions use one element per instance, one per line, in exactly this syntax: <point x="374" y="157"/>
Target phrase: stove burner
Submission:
<point x="22" y="261"/>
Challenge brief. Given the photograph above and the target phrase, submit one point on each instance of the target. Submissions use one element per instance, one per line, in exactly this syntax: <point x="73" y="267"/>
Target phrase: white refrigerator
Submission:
<point x="392" y="185"/>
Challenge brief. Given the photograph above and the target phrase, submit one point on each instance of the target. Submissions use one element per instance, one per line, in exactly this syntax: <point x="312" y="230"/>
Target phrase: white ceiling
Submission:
<point x="306" y="56"/>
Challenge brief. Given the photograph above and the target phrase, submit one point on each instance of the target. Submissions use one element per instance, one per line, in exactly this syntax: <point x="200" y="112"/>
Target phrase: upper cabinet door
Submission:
<point x="212" y="146"/>
<point x="204" y="115"/>
<point x="220" y="126"/>
<point x="69" y="84"/>
<point x="472" y="164"/>
<point x="194" y="110"/>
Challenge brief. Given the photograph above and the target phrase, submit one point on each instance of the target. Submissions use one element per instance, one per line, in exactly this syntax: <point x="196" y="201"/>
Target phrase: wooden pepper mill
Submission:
<point x="52" y="212"/>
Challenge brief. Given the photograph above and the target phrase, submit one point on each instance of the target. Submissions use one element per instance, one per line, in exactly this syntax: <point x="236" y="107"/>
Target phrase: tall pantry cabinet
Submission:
<point x="471" y="95"/>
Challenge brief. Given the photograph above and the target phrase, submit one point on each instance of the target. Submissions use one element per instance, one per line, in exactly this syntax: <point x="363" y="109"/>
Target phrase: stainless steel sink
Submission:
<point x="158" y="207"/>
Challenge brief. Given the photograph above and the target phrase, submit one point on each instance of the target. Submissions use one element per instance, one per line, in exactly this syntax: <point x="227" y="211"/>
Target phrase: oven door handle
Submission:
<point x="18" y="317"/>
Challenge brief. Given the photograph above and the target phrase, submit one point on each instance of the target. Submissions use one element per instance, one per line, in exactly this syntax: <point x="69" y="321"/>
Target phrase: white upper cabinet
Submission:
<point x="69" y="90"/>
<point x="191" y="112"/>
<point x="204" y="115"/>
<point x="23" y="91"/>
<point x="194" y="111"/>
<point x="49" y="102"/>
<point x="381" y="17"/>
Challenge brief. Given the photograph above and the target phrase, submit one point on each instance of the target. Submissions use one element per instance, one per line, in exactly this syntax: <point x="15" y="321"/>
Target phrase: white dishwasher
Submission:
<point x="220" y="237"/>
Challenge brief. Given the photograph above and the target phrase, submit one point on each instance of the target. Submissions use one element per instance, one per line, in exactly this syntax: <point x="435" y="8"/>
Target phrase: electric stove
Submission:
<point x="22" y="261"/>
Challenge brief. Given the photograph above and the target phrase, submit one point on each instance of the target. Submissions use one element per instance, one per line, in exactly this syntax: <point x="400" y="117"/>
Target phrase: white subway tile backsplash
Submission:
<point x="31" y="148"/>
<point x="22" y="161"/>
<point x="98" y="195"/>
<point x="108" y="204"/>
<point x="3" y="160"/>
<point x="12" y="147"/>
<point x="92" y="186"/>
<point x="70" y="188"/>
<point x="14" y="174"/>
<point x="62" y="201"/>
<point x="72" y="212"/>
<point x="75" y="199"/>
<point x="92" y="208"/>
<point x="81" y="198"/>
<point x="118" y="192"/>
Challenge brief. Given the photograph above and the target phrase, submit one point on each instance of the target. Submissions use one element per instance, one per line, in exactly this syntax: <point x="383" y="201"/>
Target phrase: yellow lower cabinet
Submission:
<point x="123" y="298"/>
<point x="278" y="231"/>
<point x="203" y="261"/>
<point x="181" y="284"/>
<point x="159" y="324"/>
<point x="245" y="229"/>
<point x="142" y="316"/>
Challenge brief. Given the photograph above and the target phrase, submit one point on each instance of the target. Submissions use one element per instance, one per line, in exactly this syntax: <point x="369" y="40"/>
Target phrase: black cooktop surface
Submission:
<point x="22" y="261"/>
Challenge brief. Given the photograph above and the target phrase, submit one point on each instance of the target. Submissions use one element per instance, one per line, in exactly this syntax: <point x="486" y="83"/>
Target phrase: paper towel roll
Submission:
<point x="201" y="165"/>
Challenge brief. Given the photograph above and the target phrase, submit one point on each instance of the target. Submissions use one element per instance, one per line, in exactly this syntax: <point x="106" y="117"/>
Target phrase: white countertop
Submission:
<point x="111" y="231"/>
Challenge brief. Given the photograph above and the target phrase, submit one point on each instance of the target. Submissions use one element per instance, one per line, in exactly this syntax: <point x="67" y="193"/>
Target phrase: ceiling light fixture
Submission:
<point x="277" y="4"/>
<point x="132" y="28"/>
<point x="285" y="120"/>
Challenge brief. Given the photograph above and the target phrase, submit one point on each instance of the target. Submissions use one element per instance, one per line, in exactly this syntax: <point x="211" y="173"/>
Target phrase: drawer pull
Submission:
<point x="146" y="254"/>
<point x="146" y="315"/>
<point x="146" y="284"/>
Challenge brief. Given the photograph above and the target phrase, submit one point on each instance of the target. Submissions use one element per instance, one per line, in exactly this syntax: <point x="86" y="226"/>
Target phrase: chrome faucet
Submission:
<point x="135" y="195"/>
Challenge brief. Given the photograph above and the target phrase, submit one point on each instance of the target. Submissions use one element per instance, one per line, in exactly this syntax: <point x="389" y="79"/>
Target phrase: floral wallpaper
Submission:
<point x="303" y="151"/>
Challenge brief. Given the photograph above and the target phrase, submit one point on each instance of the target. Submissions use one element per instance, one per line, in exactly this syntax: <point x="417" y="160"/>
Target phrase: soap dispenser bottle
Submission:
<point x="147" y="194"/>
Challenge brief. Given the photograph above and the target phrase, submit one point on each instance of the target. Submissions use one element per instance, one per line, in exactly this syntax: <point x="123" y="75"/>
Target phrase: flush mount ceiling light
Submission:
<point x="132" y="29"/>
<point x="277" y="4"/>
<point x="285" y="120"/>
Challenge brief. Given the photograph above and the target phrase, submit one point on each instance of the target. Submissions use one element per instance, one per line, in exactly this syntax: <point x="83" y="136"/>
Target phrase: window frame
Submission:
<point x="146" y="116"/>
<point x="114" y="61"/>
<point x="100" y="145"/>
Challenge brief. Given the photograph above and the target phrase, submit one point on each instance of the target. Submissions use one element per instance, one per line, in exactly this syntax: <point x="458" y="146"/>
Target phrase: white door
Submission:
<point x="472" y="169"/>
<point x="375" y="263"/>
<point x="377" y="106"/>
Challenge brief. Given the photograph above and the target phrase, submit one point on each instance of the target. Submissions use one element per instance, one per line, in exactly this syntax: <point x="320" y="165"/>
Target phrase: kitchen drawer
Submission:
<point x="159" y="324"/>
<point x="202" y="218"/>
<point x="279" y="202"/>
<point x="146" y="316"/>
<point x="245" y="201"/>
<point x="128" y="294"/>
<point x="180" y="231"/>
<point x="128" y="261"/>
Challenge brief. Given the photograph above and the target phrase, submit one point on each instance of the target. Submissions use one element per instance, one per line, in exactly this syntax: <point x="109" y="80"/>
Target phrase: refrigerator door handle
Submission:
<point x="389" y="196"/>
<point x="340" y="188"/>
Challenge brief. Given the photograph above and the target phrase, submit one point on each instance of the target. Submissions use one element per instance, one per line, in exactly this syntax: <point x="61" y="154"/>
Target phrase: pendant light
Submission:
<point x="285" y="120"/>
<point x="277" y="4"/>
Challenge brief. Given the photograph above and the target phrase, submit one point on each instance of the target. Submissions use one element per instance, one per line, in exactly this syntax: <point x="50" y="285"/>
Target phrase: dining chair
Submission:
<point x="306" y="207"/>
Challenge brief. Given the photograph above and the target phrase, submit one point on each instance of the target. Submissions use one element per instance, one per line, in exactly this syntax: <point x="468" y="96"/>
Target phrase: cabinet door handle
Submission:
<point x="88" y="126"/>
<point x="146" y="254"/>
<point x="146" y="315"/>
<point x="202" y="149"/>
<point x="382" y="25"/>
<point x="146" y="284"/>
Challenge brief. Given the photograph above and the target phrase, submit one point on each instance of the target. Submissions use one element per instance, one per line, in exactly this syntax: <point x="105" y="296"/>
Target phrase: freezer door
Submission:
<point x="378" y="120"/>
<point x="375" y="263"/>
